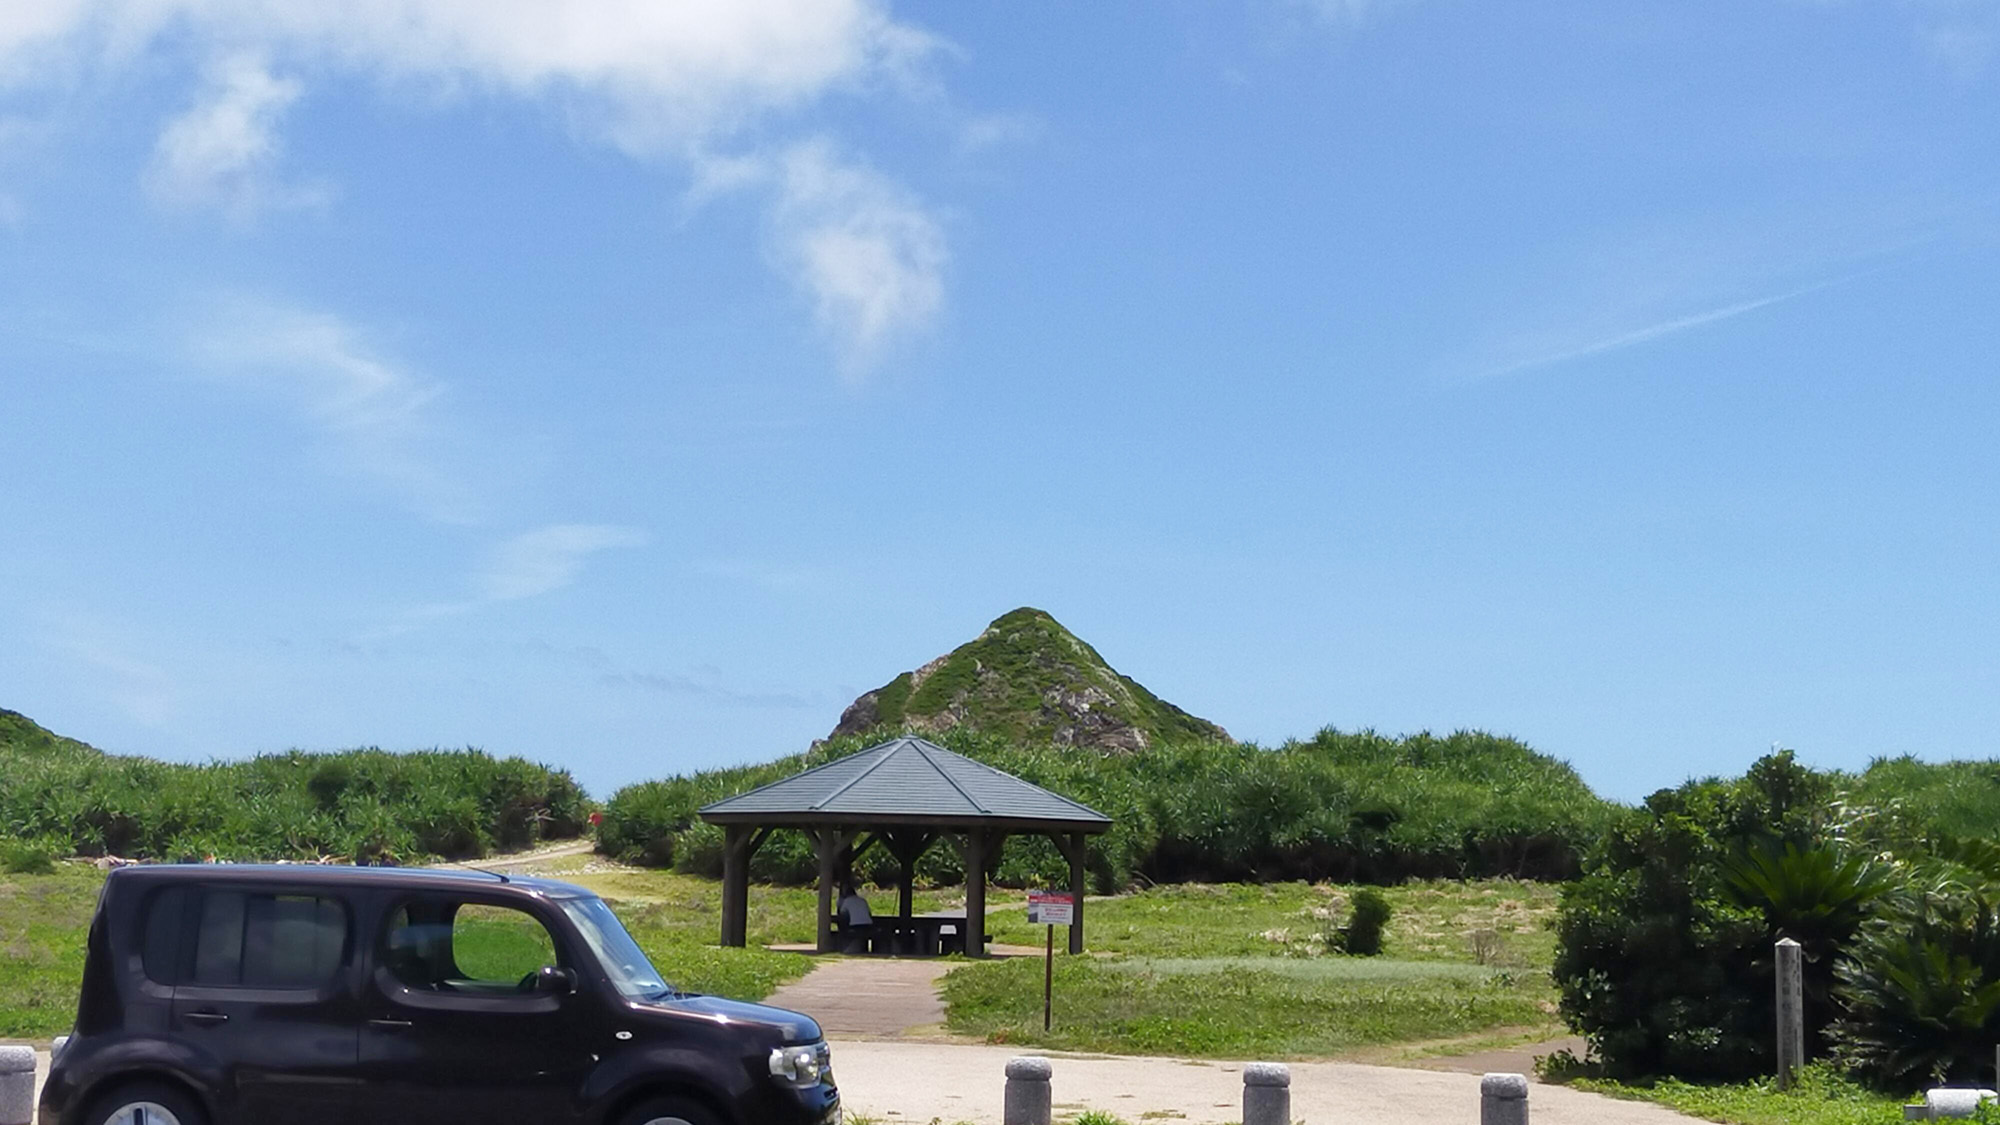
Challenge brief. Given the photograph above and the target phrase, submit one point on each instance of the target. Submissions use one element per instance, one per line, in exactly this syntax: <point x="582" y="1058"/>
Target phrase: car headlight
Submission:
<point x="802" y="1067"/>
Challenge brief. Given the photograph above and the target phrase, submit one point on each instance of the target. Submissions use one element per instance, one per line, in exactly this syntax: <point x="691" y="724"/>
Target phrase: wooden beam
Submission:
<point x="828" y="843"/>
<point x="1078" y="860"/>
<point x="736" y="840"/>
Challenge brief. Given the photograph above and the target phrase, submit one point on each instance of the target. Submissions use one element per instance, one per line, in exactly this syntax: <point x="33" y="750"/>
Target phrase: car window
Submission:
<point x="252" y="940"/>
<point x="457" y="946"/>
<point x="160" y="949"/>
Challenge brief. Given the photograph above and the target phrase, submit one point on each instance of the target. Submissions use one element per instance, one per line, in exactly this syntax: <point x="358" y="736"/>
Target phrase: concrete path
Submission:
<point x="916" y="1083"/>
<point x="869" y="997"/>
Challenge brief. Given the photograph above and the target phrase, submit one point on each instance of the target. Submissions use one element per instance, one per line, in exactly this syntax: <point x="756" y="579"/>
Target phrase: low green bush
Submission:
<point x="1362" y="936"/>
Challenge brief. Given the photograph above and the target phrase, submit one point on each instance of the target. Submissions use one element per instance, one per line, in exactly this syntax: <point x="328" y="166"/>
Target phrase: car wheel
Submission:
<point x="670" y="1111"/>
<point x="145" y="1103"/>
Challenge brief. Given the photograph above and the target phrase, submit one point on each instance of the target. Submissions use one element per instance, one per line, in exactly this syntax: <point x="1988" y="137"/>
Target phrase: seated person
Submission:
<point x="856" y="920"/>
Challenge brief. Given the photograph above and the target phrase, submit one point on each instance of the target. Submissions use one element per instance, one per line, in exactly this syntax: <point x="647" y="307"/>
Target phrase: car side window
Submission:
<point x="160" y="948"/>
<point x="447" y="945"/>
<point x="253" y="940"/>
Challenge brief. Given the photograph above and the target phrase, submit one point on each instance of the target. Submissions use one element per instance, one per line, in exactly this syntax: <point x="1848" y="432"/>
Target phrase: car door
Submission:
<point x="455" y="1031"/>
<point x="263" y="989"/>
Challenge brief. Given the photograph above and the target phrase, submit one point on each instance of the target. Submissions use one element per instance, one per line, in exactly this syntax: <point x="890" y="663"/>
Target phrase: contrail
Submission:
<point x="1665" y="328"/>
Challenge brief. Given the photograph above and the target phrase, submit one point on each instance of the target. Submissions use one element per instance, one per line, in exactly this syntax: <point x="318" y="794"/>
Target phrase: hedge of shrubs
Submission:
<point x="1346" y="806"/>
<point x="63" y="798"/>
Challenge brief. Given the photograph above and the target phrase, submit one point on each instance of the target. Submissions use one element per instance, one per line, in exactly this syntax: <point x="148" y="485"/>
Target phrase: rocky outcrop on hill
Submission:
<point x="1032" y="680"/>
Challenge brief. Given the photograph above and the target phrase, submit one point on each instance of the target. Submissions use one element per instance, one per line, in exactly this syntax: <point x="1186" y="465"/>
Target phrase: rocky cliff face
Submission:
<point x="1030" y="679"/>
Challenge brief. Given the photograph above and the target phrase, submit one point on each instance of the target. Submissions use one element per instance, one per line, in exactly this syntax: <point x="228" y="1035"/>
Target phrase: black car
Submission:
<point x="230" y="995"/>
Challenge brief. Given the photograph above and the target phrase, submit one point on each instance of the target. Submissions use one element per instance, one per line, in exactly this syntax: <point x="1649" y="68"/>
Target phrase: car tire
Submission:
<point x="670" y="1111"/>
<point x="145" y="1103"/>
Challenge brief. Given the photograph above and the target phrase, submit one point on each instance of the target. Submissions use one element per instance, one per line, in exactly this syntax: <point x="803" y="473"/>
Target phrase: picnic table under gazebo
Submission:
<point x="906" y="795"/>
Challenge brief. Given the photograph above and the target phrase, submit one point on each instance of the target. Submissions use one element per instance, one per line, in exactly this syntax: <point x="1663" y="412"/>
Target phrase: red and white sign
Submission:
<point x="1051" y="908"/>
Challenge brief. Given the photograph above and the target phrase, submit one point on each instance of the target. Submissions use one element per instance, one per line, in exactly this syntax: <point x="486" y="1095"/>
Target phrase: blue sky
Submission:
<point x="629" y="385"/>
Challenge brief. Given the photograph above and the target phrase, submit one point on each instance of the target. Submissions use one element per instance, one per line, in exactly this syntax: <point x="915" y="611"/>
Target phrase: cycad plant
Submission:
<point x="1921" y="991"/>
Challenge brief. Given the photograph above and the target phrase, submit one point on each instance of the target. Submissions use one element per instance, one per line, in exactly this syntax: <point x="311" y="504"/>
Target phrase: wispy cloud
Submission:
<point x="868" y="253"/>
<point x="690" y="686"/>
<point x="548" y="558"/>
<point x="220" y="152"/>
<point x="1655" y="331"/>
<point x="374" y="416"/>
<point x="105" y="663"/>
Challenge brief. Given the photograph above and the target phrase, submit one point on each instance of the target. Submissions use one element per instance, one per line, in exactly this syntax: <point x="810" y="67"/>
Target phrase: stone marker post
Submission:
<point x="1267" y="1094"/>
<point x="1791" y="1011"/>
<point x="1503" y="1099"/>
<point x="17" y="1085"/>
<point x="1946" y="1102"/>
<point x="1028" y="1100"/>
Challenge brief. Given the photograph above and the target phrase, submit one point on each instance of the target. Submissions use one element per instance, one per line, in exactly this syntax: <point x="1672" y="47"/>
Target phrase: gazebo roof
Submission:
<point x="907" y="781"/>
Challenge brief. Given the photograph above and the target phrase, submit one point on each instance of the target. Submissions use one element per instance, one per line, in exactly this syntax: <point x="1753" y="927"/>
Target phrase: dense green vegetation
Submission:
<point x="1665" y="954"/>
<point x="59" y="797"/>
<point x="1357" y="807"/>
<point x="1011" y="681"/>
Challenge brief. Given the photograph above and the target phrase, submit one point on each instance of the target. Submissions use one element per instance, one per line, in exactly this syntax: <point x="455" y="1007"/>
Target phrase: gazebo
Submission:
<point x="905" y="794"/>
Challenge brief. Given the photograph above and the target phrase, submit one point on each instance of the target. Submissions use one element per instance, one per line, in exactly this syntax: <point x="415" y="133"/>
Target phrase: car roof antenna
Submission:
<point x="485" y="871"/>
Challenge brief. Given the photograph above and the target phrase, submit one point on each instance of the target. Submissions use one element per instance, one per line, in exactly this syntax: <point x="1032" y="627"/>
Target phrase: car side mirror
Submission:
<point x="555" y="980"/>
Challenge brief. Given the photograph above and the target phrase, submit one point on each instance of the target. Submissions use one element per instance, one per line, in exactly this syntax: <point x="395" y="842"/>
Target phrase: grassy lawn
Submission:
<point x="1239" y="1007"/>
<point x="43" y="921"/>
<point x="1239" y="970"/>
<point x="1434" y="920"/>
<point x="1819" y="1098"/>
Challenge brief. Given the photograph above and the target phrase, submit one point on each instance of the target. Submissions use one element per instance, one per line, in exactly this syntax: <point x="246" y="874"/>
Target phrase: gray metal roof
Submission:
<point x="905" y="780"/>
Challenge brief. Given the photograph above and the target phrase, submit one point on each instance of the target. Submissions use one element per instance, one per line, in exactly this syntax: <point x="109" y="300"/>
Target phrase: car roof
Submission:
<point x="338" y="875"/>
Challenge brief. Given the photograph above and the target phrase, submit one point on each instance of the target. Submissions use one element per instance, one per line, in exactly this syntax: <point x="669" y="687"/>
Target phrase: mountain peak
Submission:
<point x="1030" y="679"/>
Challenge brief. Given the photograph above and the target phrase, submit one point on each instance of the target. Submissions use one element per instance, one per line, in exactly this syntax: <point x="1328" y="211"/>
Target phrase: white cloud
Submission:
<point x="548" y="558"/>
<point x="374" y="415"/>
<point x="869" y="255"/>
<point x="221" y="150"/>
<point x="659" y="79"/>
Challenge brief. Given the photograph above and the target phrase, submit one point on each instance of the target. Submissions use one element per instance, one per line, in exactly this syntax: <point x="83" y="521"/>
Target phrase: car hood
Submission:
<point x="790" y="1026"/>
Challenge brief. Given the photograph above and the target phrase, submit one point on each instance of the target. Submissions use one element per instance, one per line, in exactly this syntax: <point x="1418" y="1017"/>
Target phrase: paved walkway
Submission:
<point x="869" y="997"/>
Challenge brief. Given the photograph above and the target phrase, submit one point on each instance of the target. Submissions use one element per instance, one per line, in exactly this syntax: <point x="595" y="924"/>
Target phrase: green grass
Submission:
<point x="1433" y="920"/>
<point x="1821" y="1097"/>
<point x="1238" y="970"/>
<point x="1236" y="1011"/>
<point x="43" y="922"/>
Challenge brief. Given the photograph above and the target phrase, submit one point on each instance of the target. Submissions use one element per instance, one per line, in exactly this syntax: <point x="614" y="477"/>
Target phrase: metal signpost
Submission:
<point x="1051" y="909"/>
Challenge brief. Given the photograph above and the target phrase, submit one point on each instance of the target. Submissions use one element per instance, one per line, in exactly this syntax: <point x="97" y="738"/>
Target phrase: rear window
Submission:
<point x="244" y="939"/>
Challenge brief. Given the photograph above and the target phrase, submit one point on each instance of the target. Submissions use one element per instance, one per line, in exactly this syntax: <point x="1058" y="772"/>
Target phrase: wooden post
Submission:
<point x="1791" y="1011"/>
<point x="1048" y="977"/>
<point x="735" y="884"/>
<point x="975" y="893"/>
<point x="1078" y="855"/>
<point x="827" y="842"/>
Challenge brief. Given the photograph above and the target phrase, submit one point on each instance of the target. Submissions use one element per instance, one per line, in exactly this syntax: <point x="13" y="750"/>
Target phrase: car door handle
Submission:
<point x="210" y="1018"/>
<point x="389" y="1025"/>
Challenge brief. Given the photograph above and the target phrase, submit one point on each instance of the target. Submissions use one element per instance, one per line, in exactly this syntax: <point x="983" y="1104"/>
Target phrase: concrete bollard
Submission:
<point x="17" y="1085"/>
<point x="1953" y="1102"/>
<point x="1503" y="1099"/>
<point x="1028" y="1099"/>
<point x="1267" y="1094"/>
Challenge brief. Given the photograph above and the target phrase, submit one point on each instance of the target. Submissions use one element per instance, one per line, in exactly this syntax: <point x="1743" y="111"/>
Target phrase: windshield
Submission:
<point x="623" y="960"/>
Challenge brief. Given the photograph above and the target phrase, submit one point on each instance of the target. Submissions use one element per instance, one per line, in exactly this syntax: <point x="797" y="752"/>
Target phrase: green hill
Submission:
<point x="21" y="734"/>
<point x="1027" y="679"/>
